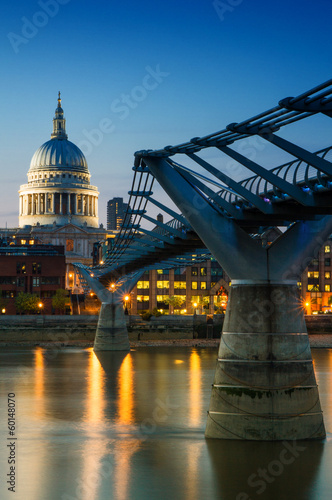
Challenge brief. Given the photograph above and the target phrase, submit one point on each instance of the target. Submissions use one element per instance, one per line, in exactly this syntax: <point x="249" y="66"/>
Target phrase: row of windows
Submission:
<point x="178" y="285"/>
<point x="315" y="288"/>
<point x="160" y="298"/>
<point x="315" y="274"/>
<point x="21" y="268"/>
<point x="51" y="176"/>
<point x="36" y="280"/>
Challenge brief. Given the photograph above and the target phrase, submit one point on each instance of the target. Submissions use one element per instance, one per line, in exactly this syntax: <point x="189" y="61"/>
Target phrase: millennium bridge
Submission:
<point x="265" y="386"/>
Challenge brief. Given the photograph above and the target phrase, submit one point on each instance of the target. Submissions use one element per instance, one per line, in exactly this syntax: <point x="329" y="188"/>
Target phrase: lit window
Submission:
<point x="180" y="284"/>
<point x="69" y="245"/>
<point x="327" y="275"/>
<point x="194" y="271"/>
<point x="327" y="288"/>
<point x="212" y="284"/>
<point x="162" y="284"/>
<point x="203" y="271"/>
<point x="142" y="298"/>
<point x="203" y="285"/>
<point x="327" y="249"/>
<point x="143" y="284"/>
<point x="194" y="285"/>
<point x="316" y="274"/>
<point x="162" y="298"/>
<point x="313" y="288"/>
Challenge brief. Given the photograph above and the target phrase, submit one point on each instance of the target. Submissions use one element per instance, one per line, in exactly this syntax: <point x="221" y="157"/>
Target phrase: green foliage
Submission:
<point x="146" y="315"/>
<point x="156" y="313"/>
<point x="175" y="302"/>
<point x="27" y="303"/>
<point x="61" y="299"/>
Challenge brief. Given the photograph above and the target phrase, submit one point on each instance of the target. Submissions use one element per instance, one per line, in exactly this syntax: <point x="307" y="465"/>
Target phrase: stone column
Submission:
<point x="38" y="203"/>
<point x="60" y="204"/>
<point x="112" y="334"/>
<point x="264" y="387"/>
<point x="75" y="203"/>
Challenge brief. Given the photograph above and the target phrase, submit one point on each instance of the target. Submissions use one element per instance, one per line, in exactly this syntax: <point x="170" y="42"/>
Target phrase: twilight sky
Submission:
<point x="144" y="74"/>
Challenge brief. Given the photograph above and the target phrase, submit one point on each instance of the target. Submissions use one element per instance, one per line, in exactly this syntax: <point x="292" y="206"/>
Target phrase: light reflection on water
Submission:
<point x="111" y="425"/>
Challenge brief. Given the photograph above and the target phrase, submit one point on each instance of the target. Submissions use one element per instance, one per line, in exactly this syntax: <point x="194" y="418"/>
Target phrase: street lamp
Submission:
<point x="3" y="310"/>
<point x="195" y="307"/>
<point x="40" y="306"/>
<point x="126" y="304"/>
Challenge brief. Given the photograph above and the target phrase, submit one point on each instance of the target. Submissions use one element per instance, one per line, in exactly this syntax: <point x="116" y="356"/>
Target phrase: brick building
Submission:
<point x="37" y="269"/>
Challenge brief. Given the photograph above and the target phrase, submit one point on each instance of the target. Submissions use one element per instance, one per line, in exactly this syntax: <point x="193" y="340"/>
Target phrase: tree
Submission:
<point x="175" y="301"/>
<point x="27" y="302"/>
<point x="61" y="299"/>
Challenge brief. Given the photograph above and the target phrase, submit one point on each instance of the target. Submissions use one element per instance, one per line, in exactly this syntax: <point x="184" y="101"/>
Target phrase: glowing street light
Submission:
<point x="126" y="298"/>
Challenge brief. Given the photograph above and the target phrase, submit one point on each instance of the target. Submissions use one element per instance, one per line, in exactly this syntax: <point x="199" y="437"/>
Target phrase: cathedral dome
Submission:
<point x="58" y="189"/>
<point x="59" y="154"/>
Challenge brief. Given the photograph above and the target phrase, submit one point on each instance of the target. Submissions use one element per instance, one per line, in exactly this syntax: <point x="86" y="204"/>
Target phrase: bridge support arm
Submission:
<point x="223" y="237"/>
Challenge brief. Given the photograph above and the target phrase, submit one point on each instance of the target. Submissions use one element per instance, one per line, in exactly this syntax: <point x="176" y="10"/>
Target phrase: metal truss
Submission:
<point x="295" y="191"/>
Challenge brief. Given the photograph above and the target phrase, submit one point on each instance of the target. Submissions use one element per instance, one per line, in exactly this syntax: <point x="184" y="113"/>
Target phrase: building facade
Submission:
<point x="316" y="282"/>
<point x="58" y="205"/>
<point x="202" y="288"/>
<point x="38" y="270"/>
<point x="116" y="212"/>
<point x="58" y="189"/>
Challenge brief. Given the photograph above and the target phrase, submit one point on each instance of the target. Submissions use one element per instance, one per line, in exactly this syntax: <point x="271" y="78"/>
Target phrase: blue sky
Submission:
<point x="212" y="68"/>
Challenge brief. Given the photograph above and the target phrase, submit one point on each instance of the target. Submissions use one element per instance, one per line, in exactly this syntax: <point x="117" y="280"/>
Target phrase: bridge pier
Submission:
<point x="111" y="334"/>
<point x="264" y="386"/>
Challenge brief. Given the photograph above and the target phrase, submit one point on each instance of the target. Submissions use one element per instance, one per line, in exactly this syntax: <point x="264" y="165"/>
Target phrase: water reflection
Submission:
<point x="95" y="400"/>
<point x="195" y="389"/>
<point x="265" y="470"/>
<point x="125" y="399"/>
<point x="131" y="426"/>
<point x="39" y="369"/>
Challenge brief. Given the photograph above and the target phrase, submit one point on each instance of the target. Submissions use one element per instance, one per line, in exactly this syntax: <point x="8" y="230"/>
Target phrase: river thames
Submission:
<point x="131" y="427"/>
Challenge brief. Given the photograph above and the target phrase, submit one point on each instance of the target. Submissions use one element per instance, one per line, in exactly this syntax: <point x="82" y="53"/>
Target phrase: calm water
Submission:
<point x="115" y="426"/>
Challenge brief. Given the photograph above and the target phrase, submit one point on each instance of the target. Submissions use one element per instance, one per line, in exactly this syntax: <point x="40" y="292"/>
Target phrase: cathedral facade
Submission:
<point x="58" y="205"/>
<point x="58" y="189"/>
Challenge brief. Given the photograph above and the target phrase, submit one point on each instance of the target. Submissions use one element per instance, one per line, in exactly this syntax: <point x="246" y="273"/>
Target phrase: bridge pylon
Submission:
<point x="111" y="333"/>
<point x="264" y="386"/>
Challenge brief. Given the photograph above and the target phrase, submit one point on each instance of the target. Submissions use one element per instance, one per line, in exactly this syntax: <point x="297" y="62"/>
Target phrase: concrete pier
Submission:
<point x="264" y="386"/>
<point x="112" y="333"/>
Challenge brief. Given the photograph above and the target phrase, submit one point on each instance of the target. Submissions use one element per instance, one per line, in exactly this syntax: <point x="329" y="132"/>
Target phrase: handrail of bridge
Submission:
<point x="298" y="180"/>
